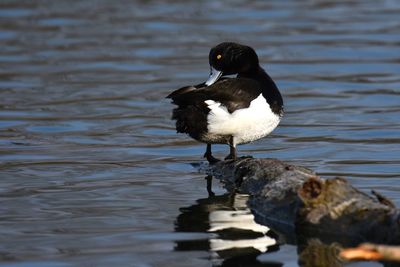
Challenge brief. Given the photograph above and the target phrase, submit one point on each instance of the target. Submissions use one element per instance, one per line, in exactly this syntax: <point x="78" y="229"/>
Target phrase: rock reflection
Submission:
<point x="316" y="253"/>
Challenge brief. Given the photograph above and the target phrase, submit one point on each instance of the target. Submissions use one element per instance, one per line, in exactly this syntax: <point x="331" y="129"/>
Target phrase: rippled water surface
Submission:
<point x="92" y="172"/>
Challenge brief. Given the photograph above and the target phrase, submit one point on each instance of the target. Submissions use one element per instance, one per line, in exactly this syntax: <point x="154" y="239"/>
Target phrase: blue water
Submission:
<point x="92" y="172"/>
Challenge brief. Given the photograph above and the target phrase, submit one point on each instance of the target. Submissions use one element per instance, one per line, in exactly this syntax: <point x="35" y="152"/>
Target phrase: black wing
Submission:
<point x="234" y="94"/>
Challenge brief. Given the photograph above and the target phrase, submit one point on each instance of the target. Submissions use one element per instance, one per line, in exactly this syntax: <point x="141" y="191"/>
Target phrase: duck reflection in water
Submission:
<point x="235" y="238"/>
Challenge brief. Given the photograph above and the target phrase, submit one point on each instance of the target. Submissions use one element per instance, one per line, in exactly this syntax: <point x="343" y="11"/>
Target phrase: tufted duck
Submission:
<point x="229" y="110"/>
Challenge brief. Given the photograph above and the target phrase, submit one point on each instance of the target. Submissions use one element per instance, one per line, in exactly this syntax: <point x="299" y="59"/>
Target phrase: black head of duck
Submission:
<point x="231" y="58"/>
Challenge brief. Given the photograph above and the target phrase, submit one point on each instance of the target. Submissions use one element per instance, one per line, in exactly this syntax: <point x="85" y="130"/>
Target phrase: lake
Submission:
<point x="92" y="171"/>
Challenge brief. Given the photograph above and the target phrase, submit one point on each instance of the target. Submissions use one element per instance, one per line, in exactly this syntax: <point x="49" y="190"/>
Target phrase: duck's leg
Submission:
<point x="232" y="148"/>
<point x="208" y="155"/>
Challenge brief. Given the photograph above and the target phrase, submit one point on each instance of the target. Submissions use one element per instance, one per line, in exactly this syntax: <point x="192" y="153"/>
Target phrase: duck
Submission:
<point x="225" y="109"/>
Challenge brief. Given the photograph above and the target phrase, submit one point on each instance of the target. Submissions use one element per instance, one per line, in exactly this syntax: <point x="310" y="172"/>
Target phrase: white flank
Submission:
<point x="245" y="125"/>
<point x="261" y="244"/>
<point x="240" y="219"/>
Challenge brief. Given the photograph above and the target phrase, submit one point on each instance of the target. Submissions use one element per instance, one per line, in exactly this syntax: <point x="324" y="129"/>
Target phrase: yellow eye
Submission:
<point x="219" y="56"/>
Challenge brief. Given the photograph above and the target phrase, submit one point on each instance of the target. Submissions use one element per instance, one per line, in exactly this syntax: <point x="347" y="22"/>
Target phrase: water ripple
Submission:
<point x="92" y="170"/>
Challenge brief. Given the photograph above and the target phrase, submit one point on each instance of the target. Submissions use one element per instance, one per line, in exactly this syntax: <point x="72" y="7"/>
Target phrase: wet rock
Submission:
<point x="297" y="203"/>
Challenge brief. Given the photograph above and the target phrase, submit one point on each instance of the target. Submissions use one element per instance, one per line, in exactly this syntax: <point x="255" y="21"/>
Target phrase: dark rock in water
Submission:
<point x="334" y="206"/>
<point x="272" y="186"/>
<point x="269" y="177"/>
<point x="296" y="203"/>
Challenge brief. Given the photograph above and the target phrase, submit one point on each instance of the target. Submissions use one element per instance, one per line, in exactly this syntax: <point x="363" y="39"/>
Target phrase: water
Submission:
<point x="92" y="171"/>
